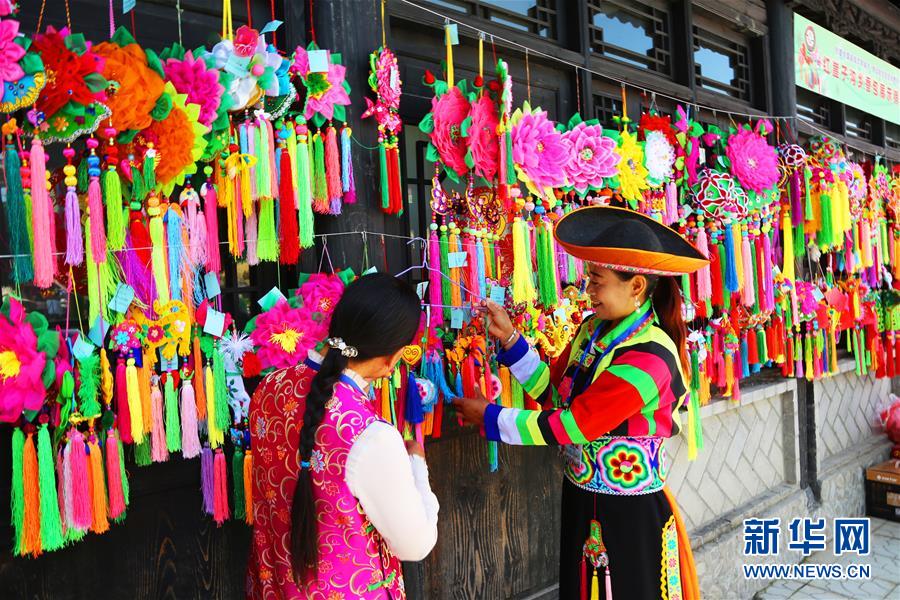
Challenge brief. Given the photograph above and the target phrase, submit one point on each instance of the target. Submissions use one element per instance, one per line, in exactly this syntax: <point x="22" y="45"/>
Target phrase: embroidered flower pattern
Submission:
<point x="625" y="468"/>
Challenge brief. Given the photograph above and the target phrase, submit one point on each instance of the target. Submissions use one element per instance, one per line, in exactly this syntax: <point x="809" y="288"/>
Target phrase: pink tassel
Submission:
<point x="747" y="258"/>
<point x="61" y="491"/>
<point x="251" y="235"/>
<point x="210" y="203"/>
<point x="273" y="172"/>
<point x="609" y="595"/>
<point x="114" y="477"/>
<point x="158" y="450"/>
<point x="671" y="203"/>
<point x="471" y="265"/>
<point x="704" y="277"/>
<point x="190" y="441"/>
<point x="333" y="171"/>
<point x="196" y="227"/>
<point x="95" y="211"/>
<point x="123" y="415"/>
<point x="434" y="279"/>
<point x="41" y="207"/>
<point x="220" y="483"/>
<point x="74" y="235"/>
<point x="81" y="491"/>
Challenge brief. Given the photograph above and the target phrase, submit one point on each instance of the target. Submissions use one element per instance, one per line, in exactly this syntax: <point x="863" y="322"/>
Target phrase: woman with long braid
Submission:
<point x="338" y="500"/>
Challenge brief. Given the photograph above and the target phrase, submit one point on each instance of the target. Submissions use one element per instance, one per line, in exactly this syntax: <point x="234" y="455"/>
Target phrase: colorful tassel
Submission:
<point x="348" y="185"/>
<point x="333" y="171"/>
<point x="114" y="477"/>
<point x="16" y="215"/>
<point x="304" y="193"/>
<point x="135" y="407"/>
<point x="190" y="439"/>
<point x="207" y="486"/>
<point x="320" y="186"/>
<point x="522" y="283"/>
<point x="220" y="489"/>
<point x="31" y="543"/>
<point x="237" y="479"/>
<point x="158" y="450"/>
<point x="41" y="209"/>
<point x="173" y="426"/>
<point x="289" y="235"/>
<point x="51" y="528"/>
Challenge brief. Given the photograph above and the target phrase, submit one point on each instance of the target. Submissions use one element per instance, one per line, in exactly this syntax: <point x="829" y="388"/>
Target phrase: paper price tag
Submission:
<point x="213" y="289"/>
<point x="498" y="294"/>
<point x="82" y="348"/>
<point x="121" y="300"/>
<point x="456" y="318"/>
<point x="457" y="259"/>
<point x="453" y="33"/>
<point x="98" y="332"/>
<point x="271" y="298"/>
<point x="271" y="26"/>
<point x="215" y="323"/>
<point x="318" y="61"/>
<point x="421" y="288"/>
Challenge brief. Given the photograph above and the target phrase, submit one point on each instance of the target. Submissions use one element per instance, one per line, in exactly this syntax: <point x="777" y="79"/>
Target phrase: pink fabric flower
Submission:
<point x="753" y="161"/>
<point x="482" y="136"/>
<point x="449" y="111"/>
<point x="192" y="77"/>
<point x="10" y="52"/>
<point x="320" y="295"/>
<point x="323" y="90"/>
<point x="245" y="39"/>
<point x="283" y="335"/>
<point x="591" y="157"/>
<point x="388" y="78"/>
<point x="539" y="152"/>
<point x="21" y="366"/>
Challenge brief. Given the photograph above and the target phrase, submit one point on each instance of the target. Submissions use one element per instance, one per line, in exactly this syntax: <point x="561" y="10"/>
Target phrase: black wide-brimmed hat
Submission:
<point x="625" y="240"/>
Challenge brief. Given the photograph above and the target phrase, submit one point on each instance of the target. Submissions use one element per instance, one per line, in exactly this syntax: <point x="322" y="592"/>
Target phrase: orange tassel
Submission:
<point x="99" y="509"/>
<point x="144" y="383"/>
<point x="248" y="487"/>
<point x="31" y="542"/>
<point x="199" y="385"/>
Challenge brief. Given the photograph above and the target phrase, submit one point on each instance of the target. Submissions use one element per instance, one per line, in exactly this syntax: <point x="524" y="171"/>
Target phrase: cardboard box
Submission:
<point x="883" y="490"/>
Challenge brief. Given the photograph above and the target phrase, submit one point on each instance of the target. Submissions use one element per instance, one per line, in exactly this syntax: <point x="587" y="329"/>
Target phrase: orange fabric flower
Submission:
<point x="173" y="138"/>
<point x="139" y="86"/>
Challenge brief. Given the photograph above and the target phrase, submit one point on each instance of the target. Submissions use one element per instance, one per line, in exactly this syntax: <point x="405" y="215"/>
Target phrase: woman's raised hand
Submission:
<point x="499" y="324"/>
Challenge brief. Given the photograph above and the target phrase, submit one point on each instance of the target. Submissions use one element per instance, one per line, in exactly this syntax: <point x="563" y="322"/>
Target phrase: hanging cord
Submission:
<point x="112" y="20"/>
<point x="274" y="33"/>
<point x="481" y="55"/>
<point x="312" y="25"/>
<point x="227" y="23"/>
<point x="249" y="15"/>
<point x="41" y="16"/>
<point x="528" y="75"/>
<point x="577" y="91"/>
<point x="68" y="16"/>
<point x="383" y="34"/>
<point x="178" y="12"/>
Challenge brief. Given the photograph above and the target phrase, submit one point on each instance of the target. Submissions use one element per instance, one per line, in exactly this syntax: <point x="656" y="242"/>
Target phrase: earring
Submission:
<point x="637" y="305"/>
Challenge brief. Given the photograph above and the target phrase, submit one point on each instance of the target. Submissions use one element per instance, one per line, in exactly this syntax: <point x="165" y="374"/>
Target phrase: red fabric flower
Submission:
<point x="245" y="39"/>
<point x="661" y="123"/>
<point x="66" y="72"/>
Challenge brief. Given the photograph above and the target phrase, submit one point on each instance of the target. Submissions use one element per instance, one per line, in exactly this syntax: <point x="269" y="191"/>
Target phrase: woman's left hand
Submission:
<point x="471" y="410"/>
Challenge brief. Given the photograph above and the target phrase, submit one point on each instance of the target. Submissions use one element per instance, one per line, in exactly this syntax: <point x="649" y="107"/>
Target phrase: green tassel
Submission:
<point x="16" y="218"/>
<point x="755" y="279"/>
<point x="267" y="239"/>
<point x="149" y="173"/>
<point x="223" y="419"/>
<point x="173" y="425"/>
<point x="17" y="498"/>
<point x="304" y="200"/>
<point x="385" y="193"/>
<point x="686" y="291"/>
<point x="89" y="388"/>
<point x="138" y="191"/>
<point x="723" y="267"/>
<point x="320" y="186"/>
<point x="115" y="216"/>
<point x="83" y="177"/>
<point x="446" y="290"/>
<point x="510" y="166"/>
<point x="808" y="207"/>
<point x="142" y="452"/>
<point x="518" y="394"/>
<point x="825" y="235"/>
<point x="546" y="264"/>
<point x="51" y="528"/>
<point x="799" y="242"/>
<point x="237" y="471"/>
<point x="762" y="349"/>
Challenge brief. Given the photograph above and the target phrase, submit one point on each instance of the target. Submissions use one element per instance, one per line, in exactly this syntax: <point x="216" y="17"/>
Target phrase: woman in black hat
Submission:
<point x="611" y="399"/>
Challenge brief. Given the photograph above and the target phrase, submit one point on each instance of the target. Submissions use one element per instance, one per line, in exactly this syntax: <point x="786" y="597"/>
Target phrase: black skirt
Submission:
<point x="633" y="529"/>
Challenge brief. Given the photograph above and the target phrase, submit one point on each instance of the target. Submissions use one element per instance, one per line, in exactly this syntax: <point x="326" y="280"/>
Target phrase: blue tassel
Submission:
<point x="345" y="160"/>
<point x="745" y="358"/>
<point x="413" y="412"/>
<point x="434" y="372"/>
<point x="17" y="218"/>
<point x="482" y="281"/>
<point x="731" y="278"/>
<point x="176" y="252"/>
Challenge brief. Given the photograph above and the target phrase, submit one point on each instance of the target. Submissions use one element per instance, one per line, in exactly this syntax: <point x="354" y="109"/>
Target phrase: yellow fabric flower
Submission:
<point x="632" y="172"/>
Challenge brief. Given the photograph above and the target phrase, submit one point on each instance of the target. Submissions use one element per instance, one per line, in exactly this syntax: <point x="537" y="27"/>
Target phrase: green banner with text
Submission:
<point x="831" y="66"/>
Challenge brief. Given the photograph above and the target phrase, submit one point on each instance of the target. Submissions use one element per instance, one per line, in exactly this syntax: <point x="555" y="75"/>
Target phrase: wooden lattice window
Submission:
<point x="538" y="17"/>
<point x="631" y="32"/>
<point x="858" y="124"/>
<point x="605" y="108"/>
<point x="813" y="108"/>
<point x="892" y="135"/>
<point x="722" y="64"/>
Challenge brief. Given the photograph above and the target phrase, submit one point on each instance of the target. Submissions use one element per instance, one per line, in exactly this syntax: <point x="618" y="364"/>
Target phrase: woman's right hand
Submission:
<point x="499" y="324"/>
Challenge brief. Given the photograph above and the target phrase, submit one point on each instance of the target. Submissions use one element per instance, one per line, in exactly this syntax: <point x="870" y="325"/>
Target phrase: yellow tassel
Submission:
<point x="106" y="378"/>
<point x="385" y="400"/>
<point x="506" y="392"/>
<point x="449" y="45"/>
<point x="787" y="235"/>
<point x="248" y="487"/>
<point x="135" y="404"/>
<point x="158" y="261"/>
<point x="729" y="374"/>
<point x="522" y="282"/>
<point x="595" y="587"/>
<point x="216" y="437"/>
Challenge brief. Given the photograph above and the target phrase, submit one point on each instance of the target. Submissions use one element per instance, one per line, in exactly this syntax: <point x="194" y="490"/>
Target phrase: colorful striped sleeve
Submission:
<point x="532" y="374"/>
<point x="631" y="384"/>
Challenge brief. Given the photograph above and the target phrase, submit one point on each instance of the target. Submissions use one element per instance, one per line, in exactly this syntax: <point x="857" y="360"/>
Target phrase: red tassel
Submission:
<point x="584" y="588"/>
<point x="81" y="482"/>
<point x="114" y="477"/>
<point x="889" y="350"/>
<point x="394" y="186"/>
<point x="220" y="489"/>
<point x="140" y="238"/>
<point x="288" y="223"/>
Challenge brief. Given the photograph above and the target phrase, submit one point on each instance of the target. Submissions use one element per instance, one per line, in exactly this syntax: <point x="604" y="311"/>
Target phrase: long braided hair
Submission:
<point x="377" y="315"/>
